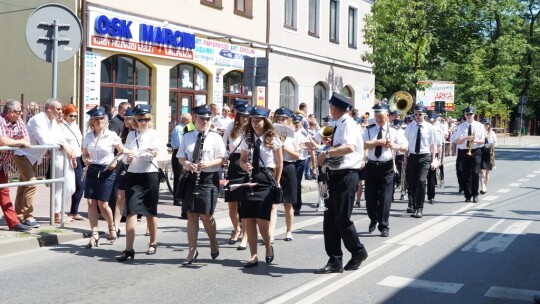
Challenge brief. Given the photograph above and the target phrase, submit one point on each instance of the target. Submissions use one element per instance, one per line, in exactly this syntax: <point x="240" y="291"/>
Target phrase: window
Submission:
<point x="334" y="21"/>
<point x="124" y="78"/>
<point x="187" y="89"/>
<point x="352" y="27"/>
<point x="290" y="12"/>
<point x="313" y="26"/>
<point x="213" y="3"/>
<point x="233" y="87"/>
<point x="287" y="93"/>
<point x="320" y="101"/>
<point x="347" y="92"/>
<point x="243" y="8"/>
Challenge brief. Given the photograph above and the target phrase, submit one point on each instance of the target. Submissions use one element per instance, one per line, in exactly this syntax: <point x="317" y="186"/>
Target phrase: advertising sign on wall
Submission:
<point x="438" y="91"/>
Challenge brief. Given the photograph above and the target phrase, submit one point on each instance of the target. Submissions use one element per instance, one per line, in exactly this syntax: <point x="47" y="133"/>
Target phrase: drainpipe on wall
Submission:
<point x="82" y="63"/>
<point x="267" y="46"/>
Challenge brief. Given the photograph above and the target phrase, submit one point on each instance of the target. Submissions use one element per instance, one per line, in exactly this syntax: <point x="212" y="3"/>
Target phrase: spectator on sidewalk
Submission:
<point x="43" y="129"/>
<point x="13" y="133"/>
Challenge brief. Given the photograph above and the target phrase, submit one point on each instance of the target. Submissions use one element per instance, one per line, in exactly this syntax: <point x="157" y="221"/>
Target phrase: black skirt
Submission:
<point x="203" y="198"/>
<point x="235" y="175"/>
<point x="142" y="193"/>
<point x="259" y="203"/>
<point x="289" y="183"/>
<point x="486" y="160"/>
<point x="120" y="182"/>
<point x="99" y="182"/>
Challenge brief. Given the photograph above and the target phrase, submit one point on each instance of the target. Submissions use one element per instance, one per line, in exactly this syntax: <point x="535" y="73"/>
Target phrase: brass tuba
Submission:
<point x="401" y="101"/>
<point x="327" y="131"/>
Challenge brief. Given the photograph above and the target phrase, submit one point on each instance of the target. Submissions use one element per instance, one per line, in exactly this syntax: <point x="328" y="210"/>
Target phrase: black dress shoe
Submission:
<point x="431" y="201"/>
<point x="270" y="258"/>
<point x="329" y="268"/>
<point x="418" y="213"/>
<point x="414" y="213"/>
<point x="467" y="200"/>
<point x="296" y="212"/>
<point x="410" y="210"/>
<point x="372" y="226"/>
<point x="475" y="199"/>
<point x="385" y="233"/>
<point x="356" y="260"/>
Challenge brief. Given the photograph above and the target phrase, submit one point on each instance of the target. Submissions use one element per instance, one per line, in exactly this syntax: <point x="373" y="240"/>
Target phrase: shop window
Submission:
<point x="320" y="101"/>
<point x="124" y="78"/>
<point x="187" y="88"/>
<point x="233" y="87"/>
<point x="287" y="93"/>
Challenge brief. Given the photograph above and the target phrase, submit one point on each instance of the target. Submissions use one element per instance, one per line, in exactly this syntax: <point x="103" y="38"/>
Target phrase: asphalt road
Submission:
<point x="457" y="253"/>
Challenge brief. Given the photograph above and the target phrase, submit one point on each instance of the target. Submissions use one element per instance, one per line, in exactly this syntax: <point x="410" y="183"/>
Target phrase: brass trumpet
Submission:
<point x="470" y="145"/>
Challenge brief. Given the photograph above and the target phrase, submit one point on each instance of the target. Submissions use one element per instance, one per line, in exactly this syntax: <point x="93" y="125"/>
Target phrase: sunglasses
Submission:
<point x="17" y="112"/>
<point x="99" y="117"/>
<point x="418" y="114"/>
<point x="468" y="114"/>
<point x="73" y="115"/>
<point x="144" y="119"/>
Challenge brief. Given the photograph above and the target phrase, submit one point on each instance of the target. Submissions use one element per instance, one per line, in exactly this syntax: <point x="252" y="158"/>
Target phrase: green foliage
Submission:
<point x="481" y="45"/>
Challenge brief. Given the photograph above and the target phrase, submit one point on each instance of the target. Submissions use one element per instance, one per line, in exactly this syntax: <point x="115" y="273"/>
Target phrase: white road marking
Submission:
<point x="503" y="190"/>
<point x="329" y="289"/>
<point x="531" y="175"/>
<point x="523" y="180"/>
<point x="514" y="185"/>
<point x="490" y="198"/>
<point x="511" y="293"/>
<point x="492" y="241"/>
<point x="401" y="282"/>
<point x="316" y="237"/>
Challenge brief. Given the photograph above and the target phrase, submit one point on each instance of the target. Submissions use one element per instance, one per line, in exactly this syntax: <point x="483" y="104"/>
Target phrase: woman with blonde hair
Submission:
<point x="264" y="165"/>
<point x="98" y="155"/>
<point x="142" y="179"/>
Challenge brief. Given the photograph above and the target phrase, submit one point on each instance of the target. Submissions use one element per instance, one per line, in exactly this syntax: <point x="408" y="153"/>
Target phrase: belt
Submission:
<point x="379" y="163"/>
<point x="342" y="171"/>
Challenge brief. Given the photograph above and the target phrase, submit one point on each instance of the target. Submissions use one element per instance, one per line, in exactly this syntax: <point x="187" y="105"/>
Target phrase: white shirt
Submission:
<point x="267" y="153"/>
<point x="73" y="137"/>
<point x="346" y="133"/>
<point x="142" y="145"/>
<point x="492" y="139"/>
<point x="427" y="139"/>
<point x="463" y="130"/>
<point x="232" y="143"/>
<point x="212" y="148"/>
<point x="42" y="131"/>
<point x="101" y="148"/>
<point x="372" y="132"/>
<point x="223" y="122"/>
<point x="301" y="137"/>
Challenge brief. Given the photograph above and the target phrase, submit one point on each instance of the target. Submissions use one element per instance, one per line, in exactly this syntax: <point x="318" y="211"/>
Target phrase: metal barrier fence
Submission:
<point x="53" y="180"/>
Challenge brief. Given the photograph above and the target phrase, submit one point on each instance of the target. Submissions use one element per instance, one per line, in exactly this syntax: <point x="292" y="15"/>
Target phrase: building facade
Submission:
<point x="175" y="55"/>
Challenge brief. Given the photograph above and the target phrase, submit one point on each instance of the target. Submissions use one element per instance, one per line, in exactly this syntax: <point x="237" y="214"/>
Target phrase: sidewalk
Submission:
<point x="47" y="235"/>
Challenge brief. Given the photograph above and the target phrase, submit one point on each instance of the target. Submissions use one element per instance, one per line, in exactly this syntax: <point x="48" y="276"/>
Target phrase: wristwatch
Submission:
<point x="327" y="154"/>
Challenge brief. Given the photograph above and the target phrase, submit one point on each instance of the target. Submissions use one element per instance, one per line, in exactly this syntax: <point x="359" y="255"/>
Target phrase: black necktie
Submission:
<point x="378" y="149"/>
<point x="256" y="155"/>
<point x="418" y="139"/>
<point x="197" y="148"/>
<point x="469" y="133"/>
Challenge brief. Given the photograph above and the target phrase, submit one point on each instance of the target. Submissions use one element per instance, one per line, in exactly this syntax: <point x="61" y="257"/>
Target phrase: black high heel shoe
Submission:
<point x="110" y="238"/>
<point x="125" y="255"/>
<point x="194" y="259"/>
<point x="270" y="258"/>
<point x="251" y="264"/>
<point x="214" y="255"/>
<point x="118" y="233"/>
<point x="233" y="241"/>
<point x="94" y="242"/>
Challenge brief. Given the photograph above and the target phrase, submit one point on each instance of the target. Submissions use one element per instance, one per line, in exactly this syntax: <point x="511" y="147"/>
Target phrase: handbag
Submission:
<point x="162" y="177"/>
<point x="275" y="189"/>
<point x="180" y="189"/>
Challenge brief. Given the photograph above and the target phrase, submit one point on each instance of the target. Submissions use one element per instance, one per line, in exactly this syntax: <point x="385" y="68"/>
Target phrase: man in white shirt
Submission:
<point x="43" y="129"/>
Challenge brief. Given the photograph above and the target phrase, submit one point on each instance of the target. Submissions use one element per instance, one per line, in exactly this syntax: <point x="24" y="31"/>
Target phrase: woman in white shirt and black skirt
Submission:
<point x="233" y="137"/>
<point x="201" y="154"/>
<point x="262" y="157"/>
<point x="141" y="179"/>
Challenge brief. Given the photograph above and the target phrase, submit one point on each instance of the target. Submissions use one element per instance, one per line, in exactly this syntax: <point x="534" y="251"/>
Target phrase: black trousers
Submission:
<point x="337" y="224"/>
<point x="459" y="166"/>
<point x="379" y="186"/>
<point x="470" y="171"/>
<point x="431" y="182"/>
<point x="417" y="171"/>
<point x="177" y="170"/>
<point x="300" y="166"/>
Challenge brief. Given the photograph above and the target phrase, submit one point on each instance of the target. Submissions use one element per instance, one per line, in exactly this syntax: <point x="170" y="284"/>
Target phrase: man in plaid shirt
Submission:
<point x="13" y="133"/>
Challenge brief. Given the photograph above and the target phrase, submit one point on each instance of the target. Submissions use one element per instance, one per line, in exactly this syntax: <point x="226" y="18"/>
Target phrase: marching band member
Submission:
<point x="141" y="179"/>
<point x="488" y="155"/>
<point x="201" y="153"/>
<point x="380" y="139"/>
<point x="420" y="159"/>
<point x="98" y="156"/>
<point x="233" y="137"/>
<point x="343" y="184"/>
<point x="261" y="155"/>
<point x="470" y="136"/>
<point x="432" y="173"/>
<point x="362" y="124"/>
<point x="289" y="182"/>
<point x="400" y="133"/>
